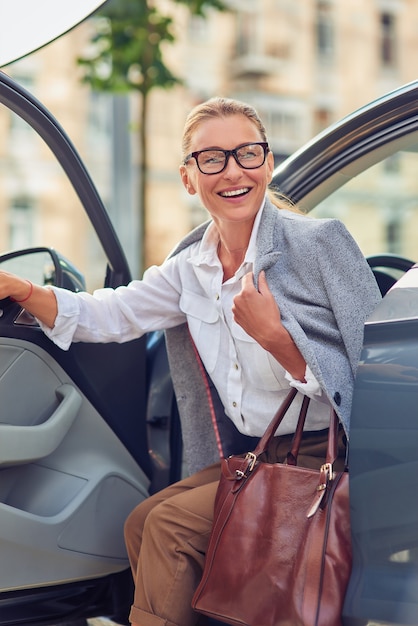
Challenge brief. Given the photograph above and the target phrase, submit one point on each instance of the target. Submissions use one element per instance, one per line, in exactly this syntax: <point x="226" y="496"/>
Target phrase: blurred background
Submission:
<point x="303" y="64"/>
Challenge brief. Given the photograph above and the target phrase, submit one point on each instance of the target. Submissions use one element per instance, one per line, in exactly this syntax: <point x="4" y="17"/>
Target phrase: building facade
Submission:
<point x="303" y="64"/>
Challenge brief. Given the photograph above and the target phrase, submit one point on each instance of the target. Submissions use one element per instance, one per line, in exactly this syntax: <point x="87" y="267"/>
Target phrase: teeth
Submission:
<point x="236" y="192"/>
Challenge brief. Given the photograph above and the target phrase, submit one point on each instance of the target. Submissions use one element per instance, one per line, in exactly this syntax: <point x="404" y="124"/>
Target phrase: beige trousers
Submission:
<point x="167" y="536"/>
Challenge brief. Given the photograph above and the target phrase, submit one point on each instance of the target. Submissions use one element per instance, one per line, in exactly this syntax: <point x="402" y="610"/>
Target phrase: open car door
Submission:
<point x="84" y="434"/>
<point x="359" y="169"/>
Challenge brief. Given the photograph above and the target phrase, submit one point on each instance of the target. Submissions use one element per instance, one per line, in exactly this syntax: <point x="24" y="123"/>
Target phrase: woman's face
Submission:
<point x="236" y="194"/>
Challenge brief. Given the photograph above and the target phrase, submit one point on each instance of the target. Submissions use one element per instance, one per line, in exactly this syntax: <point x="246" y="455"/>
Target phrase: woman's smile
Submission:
<point x="234" y="193"/>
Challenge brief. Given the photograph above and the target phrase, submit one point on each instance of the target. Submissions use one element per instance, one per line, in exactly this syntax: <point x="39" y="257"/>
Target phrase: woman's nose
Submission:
<point x="232" y="170"/>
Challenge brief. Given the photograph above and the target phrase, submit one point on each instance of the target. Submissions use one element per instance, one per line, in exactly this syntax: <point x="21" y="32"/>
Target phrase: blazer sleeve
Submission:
<point x="351" y="287"/>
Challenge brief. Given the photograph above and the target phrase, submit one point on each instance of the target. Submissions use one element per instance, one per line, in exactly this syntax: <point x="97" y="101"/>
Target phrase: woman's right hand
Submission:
<point x="13" y="286"/>
<point x="40" y="301"/>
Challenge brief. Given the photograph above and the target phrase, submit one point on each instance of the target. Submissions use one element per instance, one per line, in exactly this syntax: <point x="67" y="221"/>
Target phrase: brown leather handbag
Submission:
<point x="280" y="547"/>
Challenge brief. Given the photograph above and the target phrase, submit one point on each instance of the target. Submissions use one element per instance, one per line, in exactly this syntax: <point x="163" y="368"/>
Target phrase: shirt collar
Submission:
<point x="206" y="249"/>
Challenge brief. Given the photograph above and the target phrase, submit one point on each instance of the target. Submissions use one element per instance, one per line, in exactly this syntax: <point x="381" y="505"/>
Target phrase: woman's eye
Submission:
<point x="213" y="158"/>
<point x="248" y="153"/>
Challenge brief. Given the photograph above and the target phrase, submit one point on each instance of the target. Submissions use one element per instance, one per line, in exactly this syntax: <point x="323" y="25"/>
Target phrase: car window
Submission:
<point x="39" y="206"/>
<point x="379" y="205"/>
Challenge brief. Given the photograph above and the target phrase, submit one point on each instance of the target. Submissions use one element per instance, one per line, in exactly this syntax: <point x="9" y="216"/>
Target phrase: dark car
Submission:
<point x="87" y="434"/>
<point x="363" y="170"/>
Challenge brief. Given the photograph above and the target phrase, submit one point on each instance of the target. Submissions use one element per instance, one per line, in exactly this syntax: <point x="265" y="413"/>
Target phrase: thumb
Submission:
<point x="248" y="280"/>
<point x="262" y="283"/>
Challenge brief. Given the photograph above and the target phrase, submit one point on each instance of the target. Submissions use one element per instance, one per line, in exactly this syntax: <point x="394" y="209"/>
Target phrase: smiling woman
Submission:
<point x="249" y="300"/>
<point x="27" y="25"/>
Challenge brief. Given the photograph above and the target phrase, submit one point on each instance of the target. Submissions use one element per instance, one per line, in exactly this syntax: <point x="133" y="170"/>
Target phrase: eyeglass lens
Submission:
<point x="249" y="156"/>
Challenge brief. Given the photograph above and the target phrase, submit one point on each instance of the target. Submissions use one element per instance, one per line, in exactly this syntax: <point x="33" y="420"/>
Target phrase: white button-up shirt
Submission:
<point x="189" y="287"/>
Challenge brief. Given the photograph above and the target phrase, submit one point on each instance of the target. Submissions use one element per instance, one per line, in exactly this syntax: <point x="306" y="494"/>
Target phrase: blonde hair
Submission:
<point x="225" y="107"/>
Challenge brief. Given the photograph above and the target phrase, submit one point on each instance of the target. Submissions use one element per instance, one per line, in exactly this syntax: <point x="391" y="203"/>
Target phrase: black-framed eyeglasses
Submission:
<point x="214" y="160"/>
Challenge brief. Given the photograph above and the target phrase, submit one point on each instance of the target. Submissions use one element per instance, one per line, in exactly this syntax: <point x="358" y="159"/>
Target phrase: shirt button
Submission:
<point x="234" y="404"/>
<point x="217" y="296"/>
<point x="236" y="366"/>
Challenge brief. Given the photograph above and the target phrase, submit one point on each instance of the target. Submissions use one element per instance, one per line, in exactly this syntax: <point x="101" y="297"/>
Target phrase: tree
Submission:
<point x="128" y="57"/>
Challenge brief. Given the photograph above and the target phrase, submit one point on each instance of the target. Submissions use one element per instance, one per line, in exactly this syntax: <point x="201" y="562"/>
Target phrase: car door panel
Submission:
<point x="113" y="376"/>
<point x="20" y="444"/>
<point x="85" y="434"/>
<point x="63" y="498"/>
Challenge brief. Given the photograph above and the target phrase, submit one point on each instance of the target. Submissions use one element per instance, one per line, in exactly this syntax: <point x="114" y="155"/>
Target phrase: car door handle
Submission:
<point x="23" y="444"/>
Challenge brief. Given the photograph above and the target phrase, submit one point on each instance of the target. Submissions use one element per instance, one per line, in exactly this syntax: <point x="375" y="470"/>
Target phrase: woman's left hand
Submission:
<point x="258" y="313"/>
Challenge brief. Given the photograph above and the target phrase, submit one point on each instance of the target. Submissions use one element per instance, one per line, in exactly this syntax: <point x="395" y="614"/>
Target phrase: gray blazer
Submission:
<point x="325" y="291"/>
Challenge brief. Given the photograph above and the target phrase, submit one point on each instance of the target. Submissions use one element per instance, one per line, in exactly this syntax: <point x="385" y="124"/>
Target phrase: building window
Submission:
<point x="22" y="141"/>
<point x="388" y="39"/>
<point x="247" y="33"/>
<point x="21" y="223"/>
<point x="324" y="30"/>
<point x="284" y="127"/>
<point x="322" y="119"/>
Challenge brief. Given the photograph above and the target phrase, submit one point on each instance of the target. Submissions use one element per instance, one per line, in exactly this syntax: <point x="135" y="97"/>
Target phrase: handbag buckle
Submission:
<point x="252" y="458"/>
<point x="328" y="471"/>
<point x="326" y="475"/>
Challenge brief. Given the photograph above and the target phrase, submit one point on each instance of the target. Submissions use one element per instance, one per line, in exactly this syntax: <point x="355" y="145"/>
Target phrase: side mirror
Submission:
<point x="43" y="266"/>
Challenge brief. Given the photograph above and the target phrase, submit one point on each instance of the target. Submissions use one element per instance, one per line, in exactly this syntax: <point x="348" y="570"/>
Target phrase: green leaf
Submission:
<point x="127" y="45"/>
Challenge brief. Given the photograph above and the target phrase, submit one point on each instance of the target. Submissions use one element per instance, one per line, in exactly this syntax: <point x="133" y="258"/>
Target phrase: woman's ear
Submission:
<point x="270" y="166"/>
<point x="185" y="179"/>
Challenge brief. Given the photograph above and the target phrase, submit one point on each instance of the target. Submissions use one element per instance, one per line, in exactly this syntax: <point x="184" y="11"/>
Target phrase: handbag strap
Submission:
<point x="326" y="473"/>
<point x="275" y="423"/>
<point x="292" y="455"/>
<point x="332" y="446"/>
<point x="332" y="450"/>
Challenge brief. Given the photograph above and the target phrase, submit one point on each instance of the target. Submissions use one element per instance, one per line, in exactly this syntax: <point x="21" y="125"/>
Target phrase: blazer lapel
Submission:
<point x="268" y="253"/>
